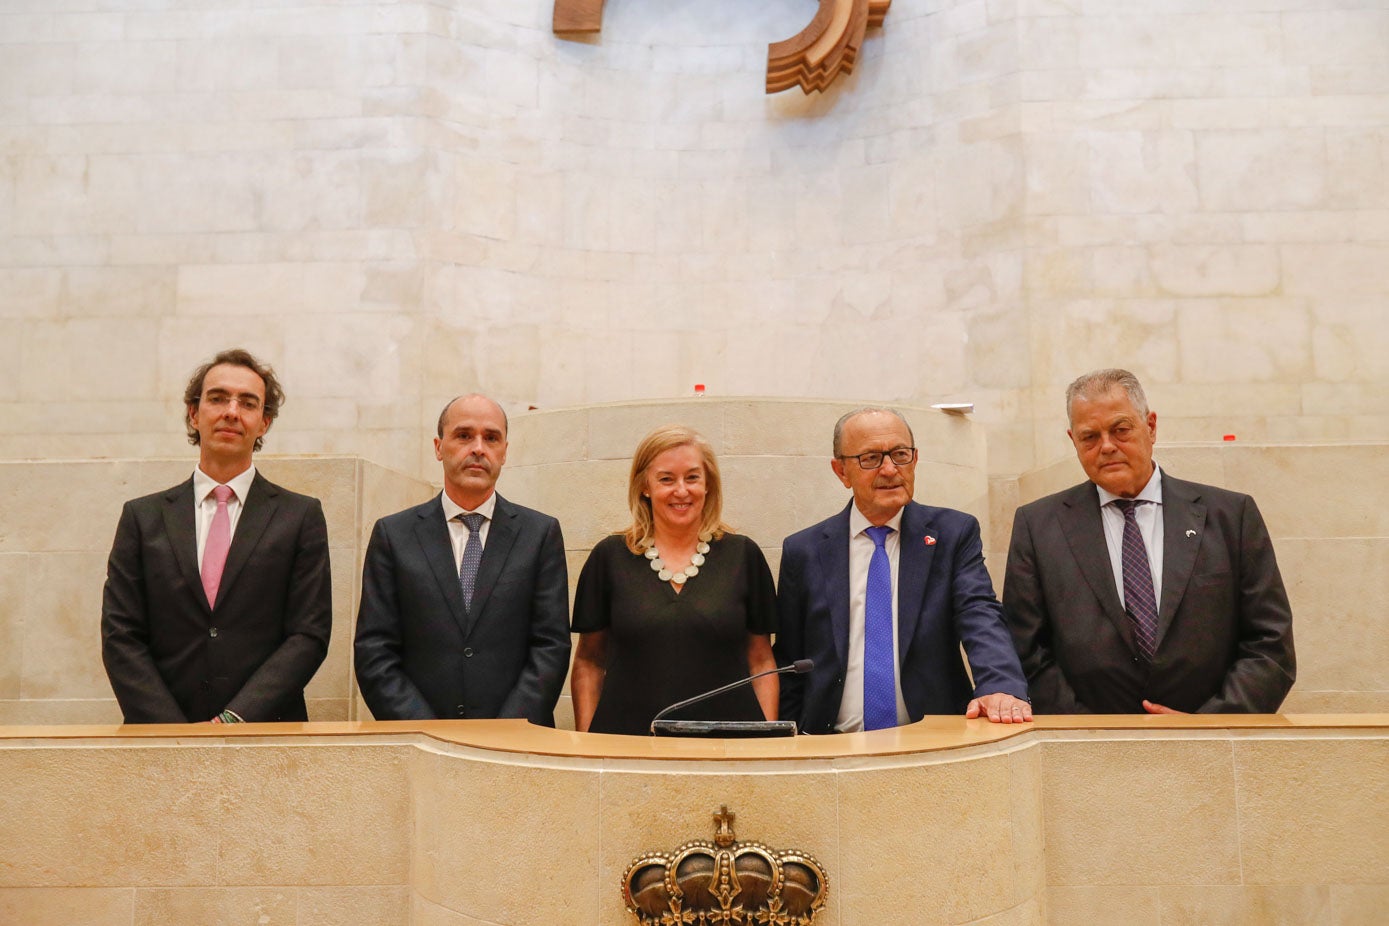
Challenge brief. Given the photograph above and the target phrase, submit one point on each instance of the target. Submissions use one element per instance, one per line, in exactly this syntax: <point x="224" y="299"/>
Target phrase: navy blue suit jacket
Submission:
<point x="945" y="598"/>
<point x="420" y="656"/>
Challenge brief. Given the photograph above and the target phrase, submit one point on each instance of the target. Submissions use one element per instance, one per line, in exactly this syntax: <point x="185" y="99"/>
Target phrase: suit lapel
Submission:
<point x="501" y="534"/>
<point x="1182" y="511"/>
<point x="833" y="556"/>
<point x="914" y="559"/>
<point x="182" y="529"/>
<point x="433" y="534"/>
<point x="1084" y="530"/>
<point x="256" y="511"/>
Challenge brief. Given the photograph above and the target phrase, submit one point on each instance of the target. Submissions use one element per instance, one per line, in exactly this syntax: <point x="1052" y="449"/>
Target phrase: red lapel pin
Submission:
<point x="930" y="541"/>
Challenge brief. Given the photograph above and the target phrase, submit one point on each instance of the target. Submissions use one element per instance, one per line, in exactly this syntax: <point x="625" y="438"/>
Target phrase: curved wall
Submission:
<point x="1144" y="821"/>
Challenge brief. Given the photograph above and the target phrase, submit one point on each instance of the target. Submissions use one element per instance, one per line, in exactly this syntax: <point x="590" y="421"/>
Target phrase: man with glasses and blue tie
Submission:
<point x="882" y="595"/>
<point x="465" y="599"/>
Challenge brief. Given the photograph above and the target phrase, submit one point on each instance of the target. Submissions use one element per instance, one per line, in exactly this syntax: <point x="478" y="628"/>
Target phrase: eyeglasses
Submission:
<point x="900" y="456"/>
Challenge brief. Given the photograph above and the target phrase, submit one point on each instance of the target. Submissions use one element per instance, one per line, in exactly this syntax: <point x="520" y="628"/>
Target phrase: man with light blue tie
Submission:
<point x="465" y="599"/>
<point x="882" y="595"/>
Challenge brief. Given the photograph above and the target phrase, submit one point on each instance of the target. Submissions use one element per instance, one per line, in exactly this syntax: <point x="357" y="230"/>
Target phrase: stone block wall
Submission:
<point x="396" y="202"/>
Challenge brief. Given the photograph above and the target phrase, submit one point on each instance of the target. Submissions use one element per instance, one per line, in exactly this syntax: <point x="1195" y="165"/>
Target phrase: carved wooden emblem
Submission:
<point x="811" y="59"/>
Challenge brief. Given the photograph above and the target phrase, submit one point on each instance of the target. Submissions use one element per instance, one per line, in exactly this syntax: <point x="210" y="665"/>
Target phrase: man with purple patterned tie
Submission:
<point x="218" y="602"/>
<point x="882" y="595"/>
<point x="1137" y="591"/>
<point x="465" y="598"/>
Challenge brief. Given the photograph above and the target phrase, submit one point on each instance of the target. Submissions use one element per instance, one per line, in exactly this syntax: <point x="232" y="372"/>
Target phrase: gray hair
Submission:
<point x="1102" y="381"/>
<point x="865" y="410"/>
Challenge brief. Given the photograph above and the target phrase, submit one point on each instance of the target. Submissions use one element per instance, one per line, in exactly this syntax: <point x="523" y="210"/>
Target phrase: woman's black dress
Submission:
<point x="665" y="646"/>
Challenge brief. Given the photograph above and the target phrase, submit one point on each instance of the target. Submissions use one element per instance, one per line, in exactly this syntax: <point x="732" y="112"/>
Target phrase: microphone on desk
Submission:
<point x="729" y="728"/>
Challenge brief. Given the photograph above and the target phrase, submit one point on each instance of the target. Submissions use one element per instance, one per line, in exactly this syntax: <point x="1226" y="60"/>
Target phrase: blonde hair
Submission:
<point x="668" y="437"/>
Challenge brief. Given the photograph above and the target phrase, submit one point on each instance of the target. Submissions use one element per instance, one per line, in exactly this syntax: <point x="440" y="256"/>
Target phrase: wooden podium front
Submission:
<point x="1067" y="820"/>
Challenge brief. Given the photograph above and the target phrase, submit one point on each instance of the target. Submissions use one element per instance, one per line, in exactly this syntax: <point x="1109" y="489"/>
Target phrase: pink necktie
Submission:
<point x="218" y="542"/>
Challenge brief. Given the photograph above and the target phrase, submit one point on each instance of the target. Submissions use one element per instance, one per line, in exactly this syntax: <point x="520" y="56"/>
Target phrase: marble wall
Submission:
<point x="400" y="201"/>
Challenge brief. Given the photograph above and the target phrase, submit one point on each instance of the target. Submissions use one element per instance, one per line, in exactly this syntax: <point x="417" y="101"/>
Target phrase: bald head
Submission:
<point x="470" y="398"/>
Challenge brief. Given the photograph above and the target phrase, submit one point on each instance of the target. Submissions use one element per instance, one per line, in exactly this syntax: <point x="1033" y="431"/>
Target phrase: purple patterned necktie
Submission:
<point x="472" y="556"/>
<point x="879" y="666"/>
<point x="1139" y="599"/>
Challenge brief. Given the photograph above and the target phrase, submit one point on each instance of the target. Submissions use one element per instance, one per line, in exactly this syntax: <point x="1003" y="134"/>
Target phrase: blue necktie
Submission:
<point x="1139" y="598"/>
<point x="472" y="556"/>
<point x="879" y="666"/>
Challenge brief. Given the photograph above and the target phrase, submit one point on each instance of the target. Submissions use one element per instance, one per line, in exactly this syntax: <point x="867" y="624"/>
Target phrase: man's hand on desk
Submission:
<point x="999" y="708"/>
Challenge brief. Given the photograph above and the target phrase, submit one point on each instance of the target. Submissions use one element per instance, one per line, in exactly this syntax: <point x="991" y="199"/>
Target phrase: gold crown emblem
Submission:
<point x="725" y="883"/>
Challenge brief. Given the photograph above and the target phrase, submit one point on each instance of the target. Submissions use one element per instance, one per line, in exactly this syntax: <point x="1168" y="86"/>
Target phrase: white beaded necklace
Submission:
<point x="658" y="565"/>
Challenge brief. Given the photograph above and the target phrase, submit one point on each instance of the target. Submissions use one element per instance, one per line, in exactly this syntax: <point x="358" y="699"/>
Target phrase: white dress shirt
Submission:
<point x="458" y="531"/>
<point x="850" y="719"/>
<point x="1149" y="519"/>
<point x="205" y="504"/>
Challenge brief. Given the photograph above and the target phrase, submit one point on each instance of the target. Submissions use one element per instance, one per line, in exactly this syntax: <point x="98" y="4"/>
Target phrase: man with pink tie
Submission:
<point x="218" y="602"/>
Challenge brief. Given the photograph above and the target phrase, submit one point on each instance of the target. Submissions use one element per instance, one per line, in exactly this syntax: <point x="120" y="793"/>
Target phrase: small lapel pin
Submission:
<point x="1191" y="533"/>
<point x="930" y="541"/>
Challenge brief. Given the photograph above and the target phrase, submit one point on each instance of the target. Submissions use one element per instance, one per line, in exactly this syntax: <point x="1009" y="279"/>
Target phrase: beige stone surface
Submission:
<point x="480" y="816"/>
<point x="62" y="629"/>
<point x="1108" y="810"/>
<point x="1301" y="491"/>
<point x="1338" y="588"/>
<point x="1027" y="913"/>
<point x="13" y="567"/>
<point x="424" y="913"/>
<point x="237" y="906"/>
<point x="89" y="906"/>
<point x="1199" y="905"/>
<point x="1358" y="905"/>
<point x="1330" y="779"/>
<point x="110" y="838"/>
<point x="1087" y="905"/>
<point x="967" y="833"/>
<point x="318" y="815"/>
<point x="371" y="905"/>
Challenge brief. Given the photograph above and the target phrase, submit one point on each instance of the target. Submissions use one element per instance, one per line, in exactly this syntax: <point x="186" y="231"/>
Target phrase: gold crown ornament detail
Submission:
<point x="725" y="883"/>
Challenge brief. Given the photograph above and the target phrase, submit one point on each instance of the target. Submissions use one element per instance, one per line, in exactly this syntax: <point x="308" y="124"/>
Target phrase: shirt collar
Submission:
<point x="858" y="523"/>
<point x="1152" y="492"/>
<point x="203" y="484"/>
<point x="452" y="509"/>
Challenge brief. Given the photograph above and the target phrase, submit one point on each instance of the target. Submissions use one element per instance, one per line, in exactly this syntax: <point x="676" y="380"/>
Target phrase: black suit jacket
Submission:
<point x="170" y="656"/>
<point x="944" y="598"/>
<point x="1224" y="638"/>
<point x="419" y="656"/>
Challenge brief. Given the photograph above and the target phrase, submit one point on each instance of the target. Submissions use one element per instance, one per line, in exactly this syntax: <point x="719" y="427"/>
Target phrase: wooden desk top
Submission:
<point x="933" y="734"/>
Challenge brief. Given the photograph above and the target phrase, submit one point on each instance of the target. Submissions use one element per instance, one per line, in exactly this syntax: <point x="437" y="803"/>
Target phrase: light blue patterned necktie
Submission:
<point x="879" y="666"/>
<point x="472" y="556"/>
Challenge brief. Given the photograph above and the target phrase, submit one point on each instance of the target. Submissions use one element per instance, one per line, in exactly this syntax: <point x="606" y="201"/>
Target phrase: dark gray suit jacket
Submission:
<point x="173" y="659"/>
<point x="420" y="656"/>
<point x="1224" y="640"/>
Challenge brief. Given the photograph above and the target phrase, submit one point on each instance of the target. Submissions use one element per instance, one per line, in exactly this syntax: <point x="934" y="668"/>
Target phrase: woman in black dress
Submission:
<point x="675" y="605"/>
